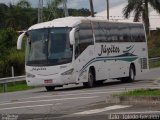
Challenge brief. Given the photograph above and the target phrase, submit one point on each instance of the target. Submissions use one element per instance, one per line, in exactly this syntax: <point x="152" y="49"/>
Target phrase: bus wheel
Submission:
<point x="91" y="79"/>
<point x="50" y="88"/>
<point x="131" y="73"/>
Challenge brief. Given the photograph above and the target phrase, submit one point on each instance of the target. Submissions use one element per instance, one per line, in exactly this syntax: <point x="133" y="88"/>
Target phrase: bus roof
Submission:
<point x="70" y="22"/>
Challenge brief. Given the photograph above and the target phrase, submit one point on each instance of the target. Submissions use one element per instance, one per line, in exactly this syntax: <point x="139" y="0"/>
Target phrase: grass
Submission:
<point x="154" y="64"/>
<point x="17" y="86"/>
<point x="142" y="93"/>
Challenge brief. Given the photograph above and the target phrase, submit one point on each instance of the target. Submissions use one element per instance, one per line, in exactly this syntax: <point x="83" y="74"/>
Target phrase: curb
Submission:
<point x="133" y="100"/>
<point x="157" y="82"/>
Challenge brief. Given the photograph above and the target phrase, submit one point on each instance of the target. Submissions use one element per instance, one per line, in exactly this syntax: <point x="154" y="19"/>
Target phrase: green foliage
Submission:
<point x="22" y="16"/>
<point x="3" y="9"/>
<point x="9" y="55"/>
<point x="154" y="64"/>
<point x="140" y="9"/>
<point x="60" y="13"/>
<point x="80" y="12"/>
<point x="154" y="44"/>
<point x="142" y="92"/>
<point x="24" y="4"/>
<point x="18" y="17"/>
<point x="7" y="40"/>
<point x="16" y="59"/>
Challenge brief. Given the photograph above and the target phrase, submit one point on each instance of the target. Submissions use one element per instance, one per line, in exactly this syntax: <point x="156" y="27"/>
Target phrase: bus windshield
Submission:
<point x="47" y="47"/>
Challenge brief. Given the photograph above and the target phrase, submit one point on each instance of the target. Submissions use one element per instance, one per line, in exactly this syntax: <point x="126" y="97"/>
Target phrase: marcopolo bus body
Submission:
<point x="77" y="50"/>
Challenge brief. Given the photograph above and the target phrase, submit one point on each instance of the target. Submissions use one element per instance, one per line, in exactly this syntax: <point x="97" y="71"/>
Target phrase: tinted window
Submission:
<point x="118" y="32"/>
<point x="142" y="34"/>
<point x="46" y="47"/>
<point x="84" y="38"/>
<point x="126" y="32"/>
<point x="121" y="32"/>
<point x="114" y="32"/>
<point x="101" y="31"/>
<point x="137" y="33"/>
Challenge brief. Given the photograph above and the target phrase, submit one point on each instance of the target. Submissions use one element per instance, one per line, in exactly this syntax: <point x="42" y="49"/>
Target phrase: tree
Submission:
<point x="140" y="9"/>
<point x="11" y="17"/>
<point x="53" y="8"/>
<point x="3" y="10"/>
<point x="9" y="55"/>
<point x="19" y="18"/>
<point x="24" y="4"/>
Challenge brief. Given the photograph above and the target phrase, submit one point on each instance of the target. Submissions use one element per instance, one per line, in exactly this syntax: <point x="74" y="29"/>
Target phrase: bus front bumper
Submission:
<point x="58" y="80"/>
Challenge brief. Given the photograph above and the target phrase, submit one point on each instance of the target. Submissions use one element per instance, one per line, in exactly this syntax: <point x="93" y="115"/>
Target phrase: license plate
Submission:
<point x="48" y="81"/>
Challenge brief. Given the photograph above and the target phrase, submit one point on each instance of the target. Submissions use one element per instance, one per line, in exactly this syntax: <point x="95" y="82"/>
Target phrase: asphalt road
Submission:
<point x="77" y="102"/>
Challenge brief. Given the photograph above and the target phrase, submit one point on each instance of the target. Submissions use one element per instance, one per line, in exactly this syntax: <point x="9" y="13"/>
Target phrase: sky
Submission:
<point x="99" y="5"/>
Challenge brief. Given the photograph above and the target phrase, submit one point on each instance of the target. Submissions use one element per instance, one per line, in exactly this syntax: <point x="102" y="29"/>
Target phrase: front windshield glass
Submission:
<point x="47" y="47"/>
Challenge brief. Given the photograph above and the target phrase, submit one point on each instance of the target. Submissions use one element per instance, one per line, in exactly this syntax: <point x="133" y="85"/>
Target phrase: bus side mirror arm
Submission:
<point x="19" y="42"/>
<point x="72" y="36"/>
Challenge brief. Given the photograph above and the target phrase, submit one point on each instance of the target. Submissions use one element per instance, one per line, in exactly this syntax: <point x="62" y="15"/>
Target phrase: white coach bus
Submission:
<point x="77" y="50"/>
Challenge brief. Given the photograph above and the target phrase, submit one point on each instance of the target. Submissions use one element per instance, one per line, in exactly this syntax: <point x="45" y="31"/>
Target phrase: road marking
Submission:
<point x="70" y="94"/>
<point x="62" y="99"/>
<point x="101" y="110"/>
<point x="84" y="93"/>
<point x="11" y="108"/>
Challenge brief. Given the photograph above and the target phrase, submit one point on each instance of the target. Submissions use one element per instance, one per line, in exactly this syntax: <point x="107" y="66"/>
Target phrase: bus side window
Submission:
<point x="121" y="32"/>
<point x="142" y="33"/>
<point x="85" y="36"/>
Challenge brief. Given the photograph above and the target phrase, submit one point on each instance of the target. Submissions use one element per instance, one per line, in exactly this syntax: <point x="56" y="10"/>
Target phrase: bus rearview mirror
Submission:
<point x="19" y="42"/>
<point x="72" y="36"/>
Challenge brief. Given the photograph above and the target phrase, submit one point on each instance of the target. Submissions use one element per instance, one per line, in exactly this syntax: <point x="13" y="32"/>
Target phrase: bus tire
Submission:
<point x="131" y="73"/>
<point x="91" y="79"/>
<point x="50" y="88"/>
<point x="131" y="76"/>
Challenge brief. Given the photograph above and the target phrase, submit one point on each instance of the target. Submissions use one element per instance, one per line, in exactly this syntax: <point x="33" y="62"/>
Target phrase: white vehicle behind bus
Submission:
<point x="75" y="50"/>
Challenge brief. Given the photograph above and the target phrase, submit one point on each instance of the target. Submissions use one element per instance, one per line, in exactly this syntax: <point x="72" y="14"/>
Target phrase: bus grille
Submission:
<point x="144" y="63"/>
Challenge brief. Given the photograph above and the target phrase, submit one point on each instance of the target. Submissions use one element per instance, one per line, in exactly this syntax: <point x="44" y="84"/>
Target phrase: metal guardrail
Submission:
<point x="12" y="79"/>
<point x="154" y="59"/>
<point x="5" y="81"/>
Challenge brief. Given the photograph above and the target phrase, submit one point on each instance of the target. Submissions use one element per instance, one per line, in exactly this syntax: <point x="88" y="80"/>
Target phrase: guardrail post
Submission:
<point x="12" y="69"/>
<point x="5" y="87"/>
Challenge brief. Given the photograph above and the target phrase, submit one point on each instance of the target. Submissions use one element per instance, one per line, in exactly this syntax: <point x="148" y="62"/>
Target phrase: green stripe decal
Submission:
<point x="120" y="58"/>
<point x="129" y="49"/>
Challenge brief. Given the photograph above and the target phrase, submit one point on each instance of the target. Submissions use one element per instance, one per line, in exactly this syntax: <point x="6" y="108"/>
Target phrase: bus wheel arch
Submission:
<point x="94" y="71"/>
<point x="91" y="78"/>
<point x="131" y="75"/>
<point x="133" y="65"/>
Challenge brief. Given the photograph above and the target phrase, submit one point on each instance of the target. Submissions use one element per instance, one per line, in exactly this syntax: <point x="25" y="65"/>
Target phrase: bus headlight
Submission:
<point x="30" y="75"/>
<point x="69" y="72"/>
